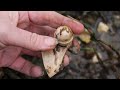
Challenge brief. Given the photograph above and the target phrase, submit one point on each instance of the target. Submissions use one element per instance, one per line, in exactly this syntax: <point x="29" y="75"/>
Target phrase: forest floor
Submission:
<point x="87" y="64"/>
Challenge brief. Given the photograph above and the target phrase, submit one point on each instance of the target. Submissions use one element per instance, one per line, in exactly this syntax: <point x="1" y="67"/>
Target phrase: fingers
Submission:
<point x="54" y="20"/>
<point x="26" y="67"/>
<point x="31" y="53"/>
<point x="28" y="40"/>
<point x="66" y="60"/>
<point x="42" y="30"/>
<point x="8" y="55"/>
<point x="76" y="43"/>
<point x="38" y="54"/>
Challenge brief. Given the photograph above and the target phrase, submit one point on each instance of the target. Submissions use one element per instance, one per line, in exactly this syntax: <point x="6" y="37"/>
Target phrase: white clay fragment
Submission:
<point x="53" y="59"/>
<point x="102" y="27"/>
<point x="95" y="59"/>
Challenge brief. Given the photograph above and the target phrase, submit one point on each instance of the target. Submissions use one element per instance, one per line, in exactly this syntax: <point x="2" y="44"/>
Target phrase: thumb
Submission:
<point x="28" y="40"/>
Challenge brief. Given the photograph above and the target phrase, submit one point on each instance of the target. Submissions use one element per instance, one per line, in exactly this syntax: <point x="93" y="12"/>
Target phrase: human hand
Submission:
<point x="29" y="33"/>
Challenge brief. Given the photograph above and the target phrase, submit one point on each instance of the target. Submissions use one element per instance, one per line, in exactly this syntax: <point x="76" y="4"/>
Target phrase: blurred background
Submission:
<point x="97" y="59"/>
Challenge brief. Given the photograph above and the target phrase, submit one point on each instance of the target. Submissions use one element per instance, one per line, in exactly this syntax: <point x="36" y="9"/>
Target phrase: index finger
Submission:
<point x="55" y="20"/>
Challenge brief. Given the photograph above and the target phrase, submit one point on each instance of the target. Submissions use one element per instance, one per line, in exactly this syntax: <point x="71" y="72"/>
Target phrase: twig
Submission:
<point x="101" y="61"/>
<point x="102" y="16"/>
<point x="93" y="37"/>
<point x="115" y="70"/>
<point x="109" y="47"/>
<point x="101" y="42"/>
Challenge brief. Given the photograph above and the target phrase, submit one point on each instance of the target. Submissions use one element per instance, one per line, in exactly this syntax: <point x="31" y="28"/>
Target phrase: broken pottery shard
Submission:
<point x="53" y="59"/>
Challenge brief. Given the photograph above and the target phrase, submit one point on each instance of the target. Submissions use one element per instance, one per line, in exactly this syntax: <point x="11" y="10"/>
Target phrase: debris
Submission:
<point x="102" y="27"/>
<point x="95" y="59"/>
<point x="85" y="36"/>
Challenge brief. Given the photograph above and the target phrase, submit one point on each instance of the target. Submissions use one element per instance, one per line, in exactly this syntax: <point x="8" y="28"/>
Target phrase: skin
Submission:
<point x="30" y="33"/>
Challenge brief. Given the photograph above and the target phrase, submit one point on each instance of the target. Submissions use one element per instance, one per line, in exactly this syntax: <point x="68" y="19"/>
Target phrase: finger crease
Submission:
<point x="23" y="66"/>
<point x="14" y="60"/>
<point x="30" y="71"/>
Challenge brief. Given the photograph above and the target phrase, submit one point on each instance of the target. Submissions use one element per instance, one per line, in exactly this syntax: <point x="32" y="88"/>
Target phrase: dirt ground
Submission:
<point x="85" y="65"/>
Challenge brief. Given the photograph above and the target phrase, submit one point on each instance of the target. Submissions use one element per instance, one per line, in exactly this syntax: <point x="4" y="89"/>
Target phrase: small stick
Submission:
<point x="101" y="61"/>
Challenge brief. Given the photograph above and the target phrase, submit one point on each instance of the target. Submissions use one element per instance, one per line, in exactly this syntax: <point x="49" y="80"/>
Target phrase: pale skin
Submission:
<point x="29" y="33"/>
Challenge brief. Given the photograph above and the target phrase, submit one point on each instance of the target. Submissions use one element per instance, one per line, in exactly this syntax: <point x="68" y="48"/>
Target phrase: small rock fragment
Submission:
<point x="85" y="36"/>
<point x="102" y="27"/>
<point x="95" y="59"/>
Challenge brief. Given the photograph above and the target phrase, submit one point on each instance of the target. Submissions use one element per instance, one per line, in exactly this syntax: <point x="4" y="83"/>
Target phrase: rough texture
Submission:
<point x="53" y="59"/>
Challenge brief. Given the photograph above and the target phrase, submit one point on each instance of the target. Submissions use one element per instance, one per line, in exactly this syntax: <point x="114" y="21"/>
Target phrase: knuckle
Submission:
<point x="4" y="33"/>
<point x="35" y="41"/>
<point x="6" y="57"/>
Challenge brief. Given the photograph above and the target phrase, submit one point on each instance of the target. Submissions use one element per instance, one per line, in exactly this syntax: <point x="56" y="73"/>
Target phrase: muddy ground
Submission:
<point x="83" y="65"/>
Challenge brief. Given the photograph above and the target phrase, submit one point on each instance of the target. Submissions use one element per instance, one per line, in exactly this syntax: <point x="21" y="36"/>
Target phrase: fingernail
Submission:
<point x="78" y="27"/>
<point x="51" y="41"/>
<point x="81" y="26"/>
<point x="71" y="20"/>
<point x="36" y="71"/>
<point x="75" y="20"/>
